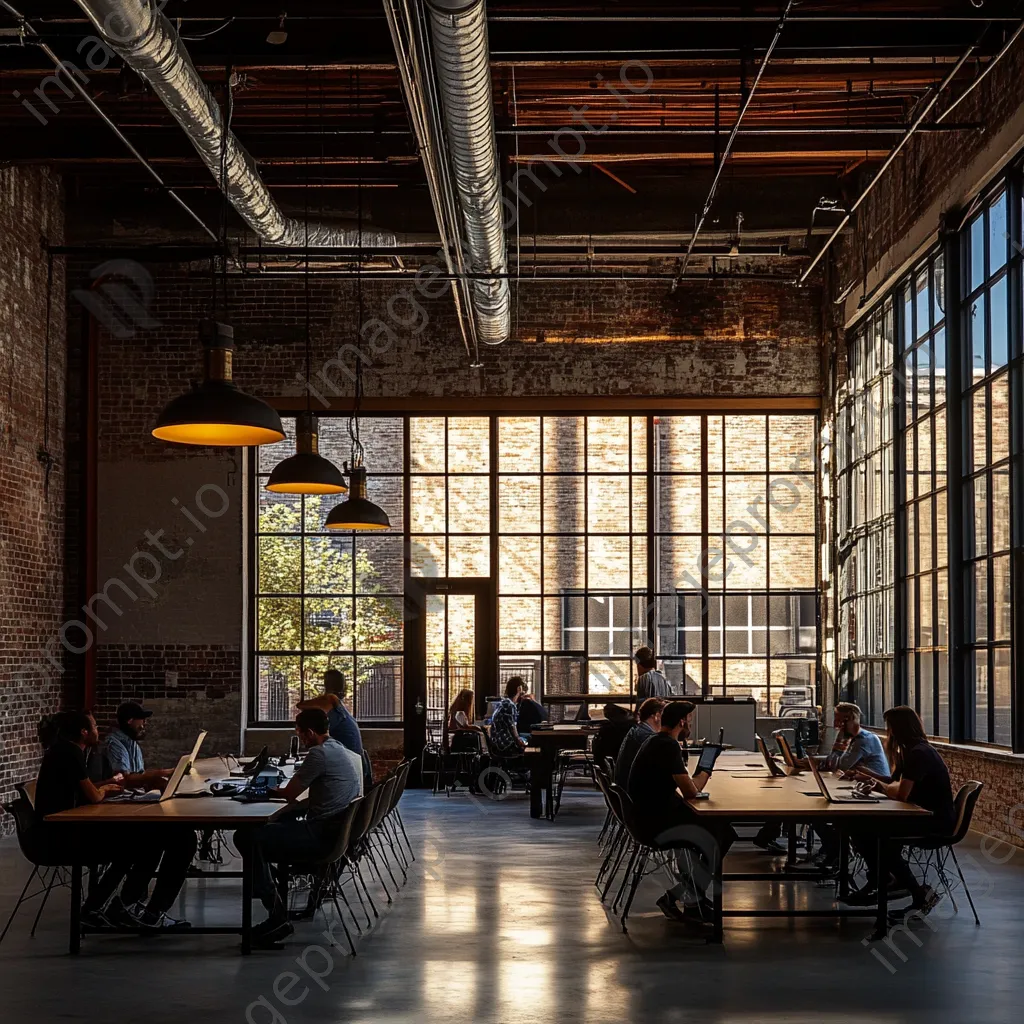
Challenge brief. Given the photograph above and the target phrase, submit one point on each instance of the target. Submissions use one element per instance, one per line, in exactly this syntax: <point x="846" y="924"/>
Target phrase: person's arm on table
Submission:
<point x="311" y="767"/>
<point x="97" y="794"/>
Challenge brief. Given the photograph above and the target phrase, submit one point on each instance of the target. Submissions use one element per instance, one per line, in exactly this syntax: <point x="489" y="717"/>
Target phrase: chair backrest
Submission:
<point x="344" y="834"/>
<point x="24" y="819"/>
<point x="401" y="778"/>
<point x="387" y="789"/>
<point x="363" y="820"/>
<point x="966" y="801"/>
<point x="28" y="790"/>
<point x="622" y="808"/>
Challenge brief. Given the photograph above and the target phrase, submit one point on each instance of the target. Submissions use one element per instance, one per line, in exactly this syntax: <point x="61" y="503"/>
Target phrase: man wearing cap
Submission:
<point x="122" y="754"/>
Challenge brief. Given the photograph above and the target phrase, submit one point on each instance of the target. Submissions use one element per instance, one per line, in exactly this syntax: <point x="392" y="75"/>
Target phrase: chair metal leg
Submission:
<point x="638" y="875"/>
<point x="387" y="863"/>
<point x="341" y="918"/>
<point x="362" y="904"/>
<point x="359" y="872"/>
<point x="376" y="870"/>
<point x="626" y="878"/>
<point x="606" y="862"/>
<point x="21" y="899"/>
<point x="401" y="825"/>
<point x="967" y="890"/>
<point x="42" y="905"/>
<point x="624" y="845"/>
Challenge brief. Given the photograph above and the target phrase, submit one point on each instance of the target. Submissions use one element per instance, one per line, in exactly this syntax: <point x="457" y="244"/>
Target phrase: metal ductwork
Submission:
<point x="142" y="36"/>
<point x="463" y="71"/>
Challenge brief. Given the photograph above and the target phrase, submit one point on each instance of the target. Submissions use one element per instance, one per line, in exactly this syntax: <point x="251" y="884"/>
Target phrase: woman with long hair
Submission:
<point x="460" y="714"/>
<point x="919" y="776"/>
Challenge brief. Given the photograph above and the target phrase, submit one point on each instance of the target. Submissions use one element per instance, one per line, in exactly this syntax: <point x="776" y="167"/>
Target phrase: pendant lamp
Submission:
<point x="307" y="471"/>
<point x="357" y="512"/>
<point x="216" y="412"/>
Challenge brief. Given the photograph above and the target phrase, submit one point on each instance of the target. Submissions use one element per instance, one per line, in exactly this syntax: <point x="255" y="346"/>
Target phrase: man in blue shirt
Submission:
<point x="340" y="723"/>
<point x="122" y="754"/>
<point x="855" y="749"/>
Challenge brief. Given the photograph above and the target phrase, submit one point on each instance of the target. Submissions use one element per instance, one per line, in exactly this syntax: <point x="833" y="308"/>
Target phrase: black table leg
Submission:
<point x="882" y="918"/>
<point x="75" y="938"/>
<point x="844" y="862"/>
<point x="246" y="900"/>
<point x="717" y="899"/>
<point x="536" y="797"/>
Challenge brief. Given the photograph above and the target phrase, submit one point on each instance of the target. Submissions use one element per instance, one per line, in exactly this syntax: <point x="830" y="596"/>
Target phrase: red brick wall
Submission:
<point x="31" y="508"/>
<point x="1000" y="809"/>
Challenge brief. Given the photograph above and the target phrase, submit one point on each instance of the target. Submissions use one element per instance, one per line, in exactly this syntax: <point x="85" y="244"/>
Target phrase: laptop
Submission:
<point x="770" y="761"/>
<point x="183" y="767"/>
<point x="708" y="756"/>
<point x="855" y="797"/>
<point x="785" y="749"/>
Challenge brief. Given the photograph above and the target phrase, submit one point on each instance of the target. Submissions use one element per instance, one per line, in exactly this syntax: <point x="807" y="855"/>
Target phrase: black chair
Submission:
<point x="47" y="870"/>
<point x="571" y="762"/>
<point x="327" y="871"/>
<point x="935" y="852"/>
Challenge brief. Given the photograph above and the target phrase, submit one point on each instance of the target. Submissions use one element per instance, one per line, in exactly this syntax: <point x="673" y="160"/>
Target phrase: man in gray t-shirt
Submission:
<point x="650" y="682"/>
<point x="333" y="776"/>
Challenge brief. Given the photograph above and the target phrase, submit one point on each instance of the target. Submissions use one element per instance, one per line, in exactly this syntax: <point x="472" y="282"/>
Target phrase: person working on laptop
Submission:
<point x="648" y="726"/>
<point x="649" y="681"/>
<point x="504" y="735"/>
<point x="334" y="778"/>
<point x="122" y="754"/>
<point x="531" y="712"/>
<point x="343" y="727"/>
<point x="132" y="851"/>
<point x="919" y="776"/>
<point x="659" y="786"/>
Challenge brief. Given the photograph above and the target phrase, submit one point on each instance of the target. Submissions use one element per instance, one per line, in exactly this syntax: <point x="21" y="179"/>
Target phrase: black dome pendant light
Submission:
<point x="357" y="512"/>
<point x="307" y="471"/>
<point x="216" y="412"/>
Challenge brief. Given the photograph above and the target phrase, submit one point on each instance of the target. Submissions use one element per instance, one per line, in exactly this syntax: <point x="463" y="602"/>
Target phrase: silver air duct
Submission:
<point x="463" y="71"/>
<point x="138" y="32"/>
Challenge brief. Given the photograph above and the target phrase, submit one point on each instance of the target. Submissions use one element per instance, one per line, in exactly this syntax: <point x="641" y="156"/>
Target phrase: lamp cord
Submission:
<point x="353" y="427"/>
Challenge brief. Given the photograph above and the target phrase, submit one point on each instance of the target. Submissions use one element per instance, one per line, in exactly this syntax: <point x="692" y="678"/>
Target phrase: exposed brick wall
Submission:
<point x="1000" y="810"/>
<point x="31" y="507"/>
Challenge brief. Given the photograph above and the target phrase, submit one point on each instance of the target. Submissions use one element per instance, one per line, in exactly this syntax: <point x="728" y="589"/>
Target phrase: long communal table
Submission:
<point x="741" y="792"/>
<point x="196" y="811"/>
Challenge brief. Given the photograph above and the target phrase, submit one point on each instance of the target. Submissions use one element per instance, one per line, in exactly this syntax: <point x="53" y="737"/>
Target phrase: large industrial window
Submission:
<point x="922" y="389"/>
<point x="865" y="517"/>
<point x="325" y="599"/>
<point x="735" y="555"/>
<point x="692" y="533"/>
<point x="988" y="259"/>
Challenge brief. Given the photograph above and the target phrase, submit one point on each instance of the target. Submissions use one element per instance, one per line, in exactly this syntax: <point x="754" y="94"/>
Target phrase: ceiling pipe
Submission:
<point x="139" y="33"/>
<point x="463" y="70"/>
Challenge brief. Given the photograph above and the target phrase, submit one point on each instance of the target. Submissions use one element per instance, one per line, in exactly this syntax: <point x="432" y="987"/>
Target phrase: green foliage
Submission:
<point x="326" y="566"/>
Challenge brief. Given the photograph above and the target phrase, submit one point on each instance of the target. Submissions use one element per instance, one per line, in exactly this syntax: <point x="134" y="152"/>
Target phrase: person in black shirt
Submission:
<point x="659" y="786"/>
<point x="612" y="731"/>
<point x="921" y="777"/>
<point x="531" y="713"/>
<point x="132" y="852"/>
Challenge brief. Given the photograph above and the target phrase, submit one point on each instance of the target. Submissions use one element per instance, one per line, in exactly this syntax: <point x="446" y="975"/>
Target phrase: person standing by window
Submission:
<point x="650" y="682"/>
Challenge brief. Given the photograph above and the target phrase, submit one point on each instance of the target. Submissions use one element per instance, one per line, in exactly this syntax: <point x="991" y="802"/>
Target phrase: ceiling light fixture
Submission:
<point x="357" y="512"/>
<point x="216" y="412"/>
<point x="279" y="35"/>
<point x="307" y="471"/>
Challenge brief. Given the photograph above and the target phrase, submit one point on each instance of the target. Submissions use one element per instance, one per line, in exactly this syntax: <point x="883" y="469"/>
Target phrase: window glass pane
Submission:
<point x="979" y="429"/>
<point x="1001" y="696"/>
<point x="997" y="241"/>
<point x="745" y="443"/>
<point x="328" y="623"/>
<point x="469" y="504"/>
<point x="608" y="444"/>
<point x="428" y="556"/>
<point x="677" y="443"/>
<point x="519" y="565"/>
<point x="1000" y="418"/>
<point x="519" y="621"/>
<point x="792" y="443"/>
<point x="1001" y="509"/>
<point x="427" y="503"/>
<point x="280" y="565"/>
<point x="469" y="556"/>
<point x="564" y="563"/>
<point x="998" y="335"/>
<point x="608" y="562"/>
<point x="519" y="444"/>
<point x="608" y="504"/>
<point x="469" y="443"/>
<point x="977" y="246"/>
<point x="1001" y="621"/>
<point x="426" y="444"/>
<point x="563" y="444"/>
<point x="976" y="337"/>
<point x="793" y="562"/>
<point x="677" y="504"/>
<point x="519" y="504"/>
<point x="328" y="564"/>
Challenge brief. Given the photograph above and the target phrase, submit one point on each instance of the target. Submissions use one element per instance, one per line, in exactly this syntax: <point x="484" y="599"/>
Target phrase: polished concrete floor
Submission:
<point x="500" y="922"/>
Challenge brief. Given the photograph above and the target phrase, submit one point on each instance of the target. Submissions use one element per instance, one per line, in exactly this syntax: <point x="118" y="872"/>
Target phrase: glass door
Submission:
<point x="452" y="639"/>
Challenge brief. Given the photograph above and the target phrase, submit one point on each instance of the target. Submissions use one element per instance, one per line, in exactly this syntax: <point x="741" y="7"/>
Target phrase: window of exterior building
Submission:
<point x="865" y="517"/>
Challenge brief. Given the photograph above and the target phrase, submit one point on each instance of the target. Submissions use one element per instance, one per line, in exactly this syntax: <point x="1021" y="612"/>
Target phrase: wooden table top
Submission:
<point x="737" y="791"/>
<point x="209" y="811"/>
